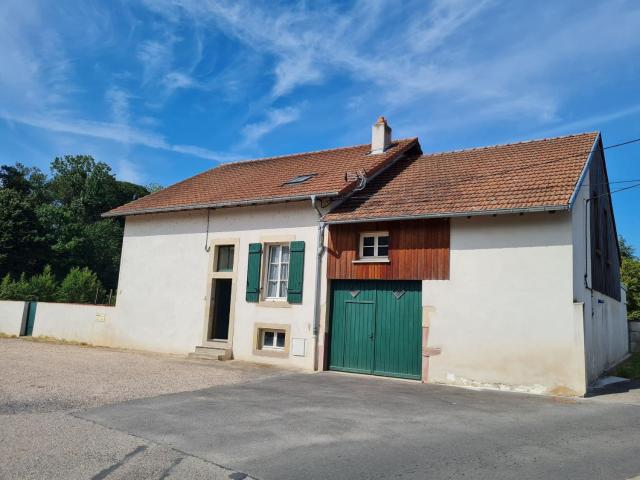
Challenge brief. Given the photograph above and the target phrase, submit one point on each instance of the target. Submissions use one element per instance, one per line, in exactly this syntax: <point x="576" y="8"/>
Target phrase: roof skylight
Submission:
<point x="300" y="179"/>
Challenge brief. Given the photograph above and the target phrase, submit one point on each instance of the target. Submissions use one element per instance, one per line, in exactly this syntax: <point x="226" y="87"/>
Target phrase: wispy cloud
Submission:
<point x="274" y="118"/>
<point x="175" y="80"/>
<point x="594" y="122"/>
<point x="118" y="100"/>
<point x="431" y="55"/>
<point x="118" y="133"/>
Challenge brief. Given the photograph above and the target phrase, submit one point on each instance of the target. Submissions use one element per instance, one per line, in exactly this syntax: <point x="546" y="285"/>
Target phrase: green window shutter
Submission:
<point x="253" y="272"/>
<point x="296" y="272"/>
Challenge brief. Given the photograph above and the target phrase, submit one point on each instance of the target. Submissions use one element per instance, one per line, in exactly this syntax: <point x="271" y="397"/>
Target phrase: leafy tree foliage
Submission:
<point x="80" y="286"/>
<point x="56" y="220"/>
<point x="626" y="250"/>
<point x="21" y="242"/>
<point x="631" y="278"/>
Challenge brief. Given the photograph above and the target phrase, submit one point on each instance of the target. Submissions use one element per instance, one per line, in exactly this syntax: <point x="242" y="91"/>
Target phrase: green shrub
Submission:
<point x="44" y="287"/>
<point x="80" y="286"/>
<point x="21" y="289"/>
<point x="7" y="288"/>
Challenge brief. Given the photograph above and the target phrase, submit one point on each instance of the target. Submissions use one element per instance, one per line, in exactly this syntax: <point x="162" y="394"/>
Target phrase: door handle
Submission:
<point x="371" y="336"/>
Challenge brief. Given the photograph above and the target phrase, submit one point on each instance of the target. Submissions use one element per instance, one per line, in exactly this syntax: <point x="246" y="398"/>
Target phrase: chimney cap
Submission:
<point x="381" y="119"/>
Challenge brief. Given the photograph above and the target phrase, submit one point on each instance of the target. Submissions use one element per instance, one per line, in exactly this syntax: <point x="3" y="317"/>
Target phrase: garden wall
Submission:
<point x="73" y="322"/>
<point x="11" y="315"/>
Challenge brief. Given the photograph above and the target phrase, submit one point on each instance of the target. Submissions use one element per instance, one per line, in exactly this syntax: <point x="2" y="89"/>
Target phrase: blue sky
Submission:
<point x="163" y="89"/>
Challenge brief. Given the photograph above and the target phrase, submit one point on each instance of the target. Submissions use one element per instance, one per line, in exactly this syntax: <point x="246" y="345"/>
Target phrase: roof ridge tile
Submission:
<point x="310" y="152"/>
<point x="508" y="144"/>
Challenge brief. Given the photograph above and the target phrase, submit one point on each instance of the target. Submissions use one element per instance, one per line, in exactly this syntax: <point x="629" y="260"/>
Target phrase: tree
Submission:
<point x="83" y="185"/>
<point x="80" y="285"/>
<point x="57" y="221"/>
<point x="21" y="243"/>
<point x="630" y="273"/>
<point x="626" y="250"/>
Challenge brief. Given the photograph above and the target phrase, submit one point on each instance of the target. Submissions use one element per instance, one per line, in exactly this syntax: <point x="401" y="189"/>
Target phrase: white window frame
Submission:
<point x="274" y="345"/>
<point x="376" y="236"/>
<point x="280" y="296"/>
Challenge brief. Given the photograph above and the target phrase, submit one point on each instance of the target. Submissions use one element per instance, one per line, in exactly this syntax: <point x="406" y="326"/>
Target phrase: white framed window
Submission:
<point x="272" y="339"/>
<point x="277" y="272"/>
<point x="374" y="245"/>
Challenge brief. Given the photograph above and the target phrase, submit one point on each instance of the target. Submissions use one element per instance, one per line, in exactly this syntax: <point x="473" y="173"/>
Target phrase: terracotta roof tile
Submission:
<point x="524" y="175"/>
<point x="265" y="179"/>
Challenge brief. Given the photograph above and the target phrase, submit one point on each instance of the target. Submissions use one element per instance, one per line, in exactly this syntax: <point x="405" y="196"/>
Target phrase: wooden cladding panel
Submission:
<point x="605" y="259"/>
<point x="418" y="250"/>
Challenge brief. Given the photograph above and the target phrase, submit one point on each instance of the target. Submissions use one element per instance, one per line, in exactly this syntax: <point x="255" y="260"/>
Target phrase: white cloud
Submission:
<point x="482" y="56"/>
<point x="156" y="56"/>
<point x="116" y="132"/>
<point x="128" y="171"/>
<point x="175" y="80"/>
<point x="594" y="122"/>
<point x="274" y="118"/>
<point x="118" y="101"/>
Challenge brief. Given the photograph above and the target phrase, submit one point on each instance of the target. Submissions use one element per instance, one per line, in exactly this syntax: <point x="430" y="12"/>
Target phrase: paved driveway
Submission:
<point x="337" y="426"/>
<point x="69" y="412"/>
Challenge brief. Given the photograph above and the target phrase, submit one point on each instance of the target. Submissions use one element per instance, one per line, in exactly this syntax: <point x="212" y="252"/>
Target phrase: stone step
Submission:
<point x="210" y="353"/>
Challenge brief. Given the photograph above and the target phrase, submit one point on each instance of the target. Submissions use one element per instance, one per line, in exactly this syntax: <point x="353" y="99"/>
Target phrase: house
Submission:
<point x="494" y="266"/>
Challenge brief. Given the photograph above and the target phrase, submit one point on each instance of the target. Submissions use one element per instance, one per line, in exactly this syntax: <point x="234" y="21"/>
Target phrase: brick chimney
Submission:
<point x="380" y="136"/>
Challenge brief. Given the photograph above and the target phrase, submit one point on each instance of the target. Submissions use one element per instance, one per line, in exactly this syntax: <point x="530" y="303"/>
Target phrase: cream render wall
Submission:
<point x="11" y="315"/>
<point x="74" y="322"/>
<point x="163" y="288"/>
<point x="506" y="318"/>
<point x="270" y="224"/>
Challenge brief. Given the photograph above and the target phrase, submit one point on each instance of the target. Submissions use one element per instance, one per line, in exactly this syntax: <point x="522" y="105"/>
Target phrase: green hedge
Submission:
<point x="80" y="285"/>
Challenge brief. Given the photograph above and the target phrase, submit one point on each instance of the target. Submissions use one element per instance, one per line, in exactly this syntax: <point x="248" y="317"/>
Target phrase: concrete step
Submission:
<point x="211" y="353"/>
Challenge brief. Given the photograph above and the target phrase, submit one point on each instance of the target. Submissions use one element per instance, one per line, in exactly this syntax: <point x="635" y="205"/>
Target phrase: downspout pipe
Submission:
<point x="318" y="283"/>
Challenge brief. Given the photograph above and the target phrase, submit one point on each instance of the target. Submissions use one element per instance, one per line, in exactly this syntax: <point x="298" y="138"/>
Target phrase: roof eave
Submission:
<point x="474" y="213"/>
<point x="585" y="169"/>
<point x="204" y="206"/>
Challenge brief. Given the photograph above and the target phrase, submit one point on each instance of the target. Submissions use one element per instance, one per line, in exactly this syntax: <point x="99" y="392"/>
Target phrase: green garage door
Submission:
<point x="376" y="327"/>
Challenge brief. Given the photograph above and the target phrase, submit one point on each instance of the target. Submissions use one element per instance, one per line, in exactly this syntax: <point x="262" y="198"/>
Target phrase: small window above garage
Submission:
<point x="374" y="246"/>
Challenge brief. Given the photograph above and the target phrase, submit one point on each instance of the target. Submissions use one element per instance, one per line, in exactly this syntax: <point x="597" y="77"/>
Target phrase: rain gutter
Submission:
<point x="476" y="213"/>
<point x="200" y="206"/>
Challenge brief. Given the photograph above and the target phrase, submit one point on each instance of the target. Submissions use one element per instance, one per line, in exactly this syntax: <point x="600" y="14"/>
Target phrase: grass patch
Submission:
<point x="45" y="339"/>
<point x="630" y="368"/>
<point x="5" y="335"/>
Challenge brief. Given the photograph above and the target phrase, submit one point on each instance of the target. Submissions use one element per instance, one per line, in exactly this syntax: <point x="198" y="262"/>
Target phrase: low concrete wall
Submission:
<point x="73" y="322"/>
<point x="11" y="314"/>
<point x="606" y="334"/>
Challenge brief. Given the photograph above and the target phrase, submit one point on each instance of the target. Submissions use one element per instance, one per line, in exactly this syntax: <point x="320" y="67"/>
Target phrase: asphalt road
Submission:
<point x="70" y="412"/>
<point x="336" y="426"/>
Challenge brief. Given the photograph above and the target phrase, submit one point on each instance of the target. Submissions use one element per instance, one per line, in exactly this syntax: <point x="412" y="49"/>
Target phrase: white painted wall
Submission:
<point x="163" y="287"/>
<point x="294" y="221"/>
<point x="606" y="334"/>
<point x="506" y="317"/>
<point x="11" y="314"/>
<point x="74" y="322"/>
<point x="605" y="318"/>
